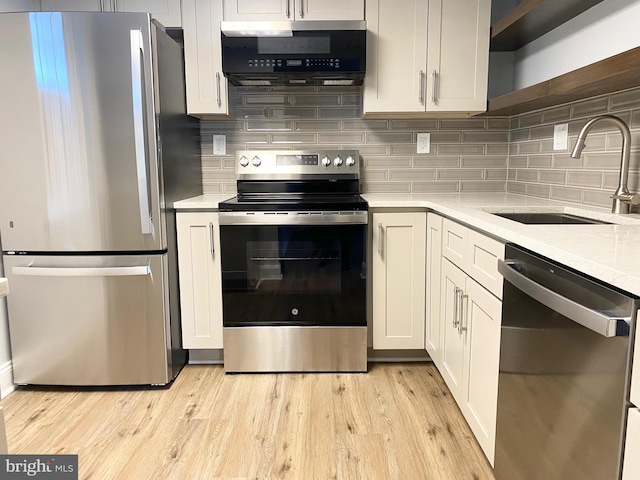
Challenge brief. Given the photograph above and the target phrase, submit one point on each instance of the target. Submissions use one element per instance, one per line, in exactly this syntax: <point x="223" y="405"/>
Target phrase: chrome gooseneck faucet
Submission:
<point x="622" y="199"/>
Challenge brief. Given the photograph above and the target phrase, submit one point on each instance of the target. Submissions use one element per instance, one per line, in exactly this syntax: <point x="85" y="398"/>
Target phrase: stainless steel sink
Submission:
<point x="550" y="218"/>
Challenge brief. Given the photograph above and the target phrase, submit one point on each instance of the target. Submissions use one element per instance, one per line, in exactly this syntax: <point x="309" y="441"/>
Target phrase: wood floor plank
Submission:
<point x="397" y="421"/>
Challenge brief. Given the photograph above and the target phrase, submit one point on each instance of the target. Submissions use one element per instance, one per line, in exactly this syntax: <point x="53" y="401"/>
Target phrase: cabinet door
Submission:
<point x="329" y="9"/>
<point x="75" y="5"/>
<point x="396" y="56"/>
<point x="432" y="311"/>
<point x="453" y="281"/>
<point x="258" y="10"/>
<point x="20" y="6"/>
<point x="481" y="328"/>
<point x="205" y="83"/>
<point x="200" y="279"/>
<point x="458" y="55"/>
<point x="167" y="12"/>
<point x="398" y="280"/>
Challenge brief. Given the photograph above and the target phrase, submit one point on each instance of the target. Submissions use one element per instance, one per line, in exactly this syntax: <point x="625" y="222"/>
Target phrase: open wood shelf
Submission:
<point x="531" y="19"/>
<point x="606" y="76"/>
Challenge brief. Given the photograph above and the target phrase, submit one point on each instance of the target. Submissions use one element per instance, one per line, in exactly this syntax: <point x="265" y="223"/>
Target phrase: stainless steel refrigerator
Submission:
<point x="95" y="146"/>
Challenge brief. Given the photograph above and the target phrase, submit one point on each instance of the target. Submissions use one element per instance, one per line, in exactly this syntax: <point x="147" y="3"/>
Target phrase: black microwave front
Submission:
<point x="294" y="53"/>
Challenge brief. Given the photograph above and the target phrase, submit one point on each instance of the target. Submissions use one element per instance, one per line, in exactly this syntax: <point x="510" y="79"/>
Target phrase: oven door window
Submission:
<point x="293" y="275"/>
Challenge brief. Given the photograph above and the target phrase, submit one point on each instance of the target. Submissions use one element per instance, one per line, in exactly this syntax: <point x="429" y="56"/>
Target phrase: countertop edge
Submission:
<point x="605" y="252"/>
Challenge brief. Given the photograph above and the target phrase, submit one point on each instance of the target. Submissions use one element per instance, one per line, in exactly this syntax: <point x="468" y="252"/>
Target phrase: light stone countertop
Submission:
<point x="608" y="252"/>
<point x="4" y="287"/>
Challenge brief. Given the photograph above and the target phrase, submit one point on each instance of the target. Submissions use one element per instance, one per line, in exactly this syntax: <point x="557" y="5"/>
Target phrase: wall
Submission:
<point x="608" y="28"/>
<point x="536" y="169"/>
<point x="467" y="155"/>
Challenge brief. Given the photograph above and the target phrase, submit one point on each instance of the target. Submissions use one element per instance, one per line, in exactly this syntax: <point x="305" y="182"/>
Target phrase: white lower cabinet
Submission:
<point x="470" y="320"/>
<point x="432" y="337"/>
<point x="398" y="277"/>
<point x="471" y="351"/>
<point x="200" y="279"/>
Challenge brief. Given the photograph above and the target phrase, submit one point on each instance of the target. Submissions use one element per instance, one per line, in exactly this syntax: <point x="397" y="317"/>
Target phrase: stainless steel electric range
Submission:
<point x="294" y="248"/>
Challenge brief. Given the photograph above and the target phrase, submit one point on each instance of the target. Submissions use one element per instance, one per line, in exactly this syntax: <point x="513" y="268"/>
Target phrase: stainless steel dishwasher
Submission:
<point x="563" y="389"/>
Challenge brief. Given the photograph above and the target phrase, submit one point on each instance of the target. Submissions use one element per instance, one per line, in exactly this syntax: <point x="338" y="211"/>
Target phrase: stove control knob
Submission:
<point x="256" y="161"/>
<point x="337" y="161"/>
<point x="244" y="161"/>
<point x="350" y="161"/>
<point x="326" y="161"/>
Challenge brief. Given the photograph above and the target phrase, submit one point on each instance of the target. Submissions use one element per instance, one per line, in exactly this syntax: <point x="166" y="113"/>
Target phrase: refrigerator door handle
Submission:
<point x="137" y="80"/>
<point x="82" y="271"/>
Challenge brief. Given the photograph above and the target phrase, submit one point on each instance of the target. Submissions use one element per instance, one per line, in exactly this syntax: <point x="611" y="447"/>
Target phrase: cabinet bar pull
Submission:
<point x="421" y="86"/>
<point x="288" y="11"/>
<point x="115" y="5"/>
<point x="218" y="95"/>
<point x="301" y="9"/>
<point x="434" y="97"/>
<point x="102" y="5"/>
<point x="455" y="306"/>
<point x="211" y="238"/>
<point x="462" y="325"/>
<point x="380" y="239"/>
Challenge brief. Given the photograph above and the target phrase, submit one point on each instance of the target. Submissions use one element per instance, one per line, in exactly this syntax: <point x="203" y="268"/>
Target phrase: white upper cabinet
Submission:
<point x="278" y="10"/>
<point x="19" y="6"/>
<point x="167" y="12"/>
<point x="427" y="56"/>
<point x="75" y="5"/>
<point x="206" y="85"/>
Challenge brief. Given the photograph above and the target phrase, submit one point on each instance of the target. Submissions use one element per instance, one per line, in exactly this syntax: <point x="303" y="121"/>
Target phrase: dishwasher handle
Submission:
<point x="598" y="322"/>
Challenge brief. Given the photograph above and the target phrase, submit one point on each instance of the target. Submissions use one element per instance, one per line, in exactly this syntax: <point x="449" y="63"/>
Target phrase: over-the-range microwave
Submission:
<point x="294" y="53"/>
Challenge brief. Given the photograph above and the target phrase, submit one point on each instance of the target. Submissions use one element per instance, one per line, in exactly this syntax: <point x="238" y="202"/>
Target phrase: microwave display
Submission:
<point x="302" y="44"/>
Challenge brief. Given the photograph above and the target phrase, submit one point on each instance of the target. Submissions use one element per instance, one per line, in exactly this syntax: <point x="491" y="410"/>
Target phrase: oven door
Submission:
<point x="293" y="268"/>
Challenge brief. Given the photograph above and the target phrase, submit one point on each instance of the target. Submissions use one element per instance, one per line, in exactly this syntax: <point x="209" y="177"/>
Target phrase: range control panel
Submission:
<point x="295" y="163"/>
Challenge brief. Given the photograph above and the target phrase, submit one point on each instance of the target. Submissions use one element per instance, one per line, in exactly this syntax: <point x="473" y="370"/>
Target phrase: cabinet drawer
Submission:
<point x="454" y="243"/>
<point x="482" y="261"/>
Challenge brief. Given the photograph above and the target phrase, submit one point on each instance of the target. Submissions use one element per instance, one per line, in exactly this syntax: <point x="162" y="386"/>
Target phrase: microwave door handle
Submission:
<point x="81" y="271"/>
<point x="598" y="322"/>
<point x="138" y="104"/>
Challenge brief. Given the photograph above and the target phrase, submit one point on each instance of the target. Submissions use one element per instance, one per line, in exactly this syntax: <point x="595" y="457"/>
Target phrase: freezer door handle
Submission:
<point x="82" y="271"/>
<point x="599" y="322"/>
<point x="139" y="130"/>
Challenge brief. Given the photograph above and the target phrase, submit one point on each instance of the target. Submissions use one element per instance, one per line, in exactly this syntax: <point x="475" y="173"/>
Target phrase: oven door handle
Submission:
<point x="599" y="322"/>
<point x="293" y="218"/>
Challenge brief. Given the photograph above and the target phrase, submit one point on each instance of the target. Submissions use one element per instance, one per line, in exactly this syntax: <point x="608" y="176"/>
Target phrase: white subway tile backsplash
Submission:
<point x="386" y="187"/>
<point x="393" y="162"/>
<point x="584" y="179"/>
<point x="413" y="174"/>
<point x="486" y="186"/>
<point x="460" y="174"/>
<point x="513" y="154"/>
<point x="435" y="187"/>
<point x="558" y="177"/>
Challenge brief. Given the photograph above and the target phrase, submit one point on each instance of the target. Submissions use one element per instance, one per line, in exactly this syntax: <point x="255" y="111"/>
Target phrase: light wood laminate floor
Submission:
<point x="398" y="421"/>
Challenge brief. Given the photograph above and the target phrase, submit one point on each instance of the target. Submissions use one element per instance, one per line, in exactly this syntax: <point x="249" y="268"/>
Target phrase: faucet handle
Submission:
<point x="628" y="198"/>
